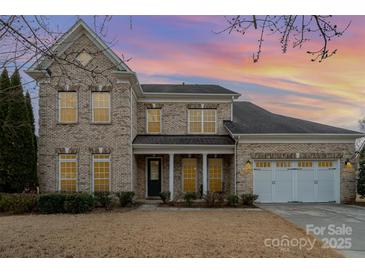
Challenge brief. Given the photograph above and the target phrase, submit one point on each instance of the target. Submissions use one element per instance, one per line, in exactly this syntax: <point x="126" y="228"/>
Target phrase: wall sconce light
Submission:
<point x="348" y="164"/>
<point x="247" y="167"/>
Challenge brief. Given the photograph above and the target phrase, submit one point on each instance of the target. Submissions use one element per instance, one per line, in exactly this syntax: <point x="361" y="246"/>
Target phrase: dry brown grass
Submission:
<point x="138" y="233"/>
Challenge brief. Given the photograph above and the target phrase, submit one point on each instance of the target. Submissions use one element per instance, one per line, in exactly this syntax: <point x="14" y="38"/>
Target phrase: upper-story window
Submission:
<point x="101" y="107"/>
<point x="154" y="120"/>
<point x="67" y="107"/>
<point x="202" y="121"/>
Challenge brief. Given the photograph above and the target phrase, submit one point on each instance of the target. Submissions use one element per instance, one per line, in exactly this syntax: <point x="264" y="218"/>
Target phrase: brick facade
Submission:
<point x="175" y="117"/>
<point x="84" y="136"/>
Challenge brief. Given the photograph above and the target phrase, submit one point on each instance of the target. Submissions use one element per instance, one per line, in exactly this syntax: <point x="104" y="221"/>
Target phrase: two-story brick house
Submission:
<point x="101" y="130"/>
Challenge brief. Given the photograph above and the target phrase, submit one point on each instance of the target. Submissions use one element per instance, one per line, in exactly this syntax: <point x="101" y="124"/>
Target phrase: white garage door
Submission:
<point x="297" y="181"/>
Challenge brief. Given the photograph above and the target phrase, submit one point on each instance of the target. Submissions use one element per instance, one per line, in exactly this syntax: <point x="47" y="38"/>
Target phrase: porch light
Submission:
<point x="248" y="166"/>
<point x="348" y="164"/>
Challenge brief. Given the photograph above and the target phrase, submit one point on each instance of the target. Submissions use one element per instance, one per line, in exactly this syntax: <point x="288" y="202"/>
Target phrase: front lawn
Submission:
<point x="141" y="233"/>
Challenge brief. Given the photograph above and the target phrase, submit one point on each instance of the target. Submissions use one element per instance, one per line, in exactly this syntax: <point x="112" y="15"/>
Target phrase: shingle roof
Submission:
<point x="249" y="118"/>
<point x="181" y="89"/>
<point x="184" y="139"/>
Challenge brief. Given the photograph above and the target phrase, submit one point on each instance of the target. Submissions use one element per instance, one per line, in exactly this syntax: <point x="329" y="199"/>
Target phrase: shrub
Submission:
<point x="211" y="198"/>
<point x="165" y="196"/>
<point x="125" y="198"/>
<point x="189" y="197"/>
<point x="248" y="198"/>
<point x="18" y="203"/>
<point x="78" y="203"/>
<point x="232" y="200"/>
<point x="104" y="199"/>
<point x="51" y="203"/>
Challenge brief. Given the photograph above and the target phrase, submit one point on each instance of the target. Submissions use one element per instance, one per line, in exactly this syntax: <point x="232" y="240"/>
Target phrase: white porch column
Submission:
<point x="205" y="174"/>
<point x="171" y="174"/>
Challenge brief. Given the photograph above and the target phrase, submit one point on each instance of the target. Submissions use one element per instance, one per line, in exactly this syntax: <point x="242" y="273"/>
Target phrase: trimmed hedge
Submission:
<point x="126" y="198"/>
<point x="78" y="203"/>
<point x="104" y="199"/>
<point x="65" y="203"/>
<point x="18" y="203"/>
<point x="51" y="203"/>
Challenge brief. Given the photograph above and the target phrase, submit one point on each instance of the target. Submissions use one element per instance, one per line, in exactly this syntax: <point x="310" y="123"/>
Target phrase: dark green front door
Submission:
<point x="153" y="176"/>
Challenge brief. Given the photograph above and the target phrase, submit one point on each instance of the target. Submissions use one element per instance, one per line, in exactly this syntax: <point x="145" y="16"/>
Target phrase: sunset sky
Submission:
<point x="176" y="49"/>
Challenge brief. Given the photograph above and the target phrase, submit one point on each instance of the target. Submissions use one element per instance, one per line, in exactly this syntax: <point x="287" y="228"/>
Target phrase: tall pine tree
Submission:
<point x="4" y="93"/>
<point x="361" y="175"/>
<point x="28" y="103"/>
<point x="19" y="142"/>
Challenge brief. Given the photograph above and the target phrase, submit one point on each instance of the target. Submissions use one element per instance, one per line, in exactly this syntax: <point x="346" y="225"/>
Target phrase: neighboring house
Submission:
<point x="100" y="130"/>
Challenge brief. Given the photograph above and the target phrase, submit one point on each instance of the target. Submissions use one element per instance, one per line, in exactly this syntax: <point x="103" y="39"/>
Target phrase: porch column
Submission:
<point x="205" y="174"/>
<point x="171" y="174"/>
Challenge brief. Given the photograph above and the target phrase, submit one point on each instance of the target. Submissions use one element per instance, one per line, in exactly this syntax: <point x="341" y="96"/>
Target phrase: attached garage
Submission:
<point x="282" y="181"/>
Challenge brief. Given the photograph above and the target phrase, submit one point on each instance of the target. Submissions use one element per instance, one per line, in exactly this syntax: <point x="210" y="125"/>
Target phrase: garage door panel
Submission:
<point x="263" y="185"/>
<point x="305" y="185"/>
<point x="283" y="188"/>
<point x="326" y="186"/>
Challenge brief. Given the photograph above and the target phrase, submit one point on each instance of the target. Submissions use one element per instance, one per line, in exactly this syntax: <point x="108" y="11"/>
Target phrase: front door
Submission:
<point x="153" y="176"/>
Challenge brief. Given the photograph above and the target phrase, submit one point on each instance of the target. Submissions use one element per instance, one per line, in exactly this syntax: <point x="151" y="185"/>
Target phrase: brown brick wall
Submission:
<point x="84" y="135"/>
<point x="245" y="152"/>
<point x="175" y="117"/>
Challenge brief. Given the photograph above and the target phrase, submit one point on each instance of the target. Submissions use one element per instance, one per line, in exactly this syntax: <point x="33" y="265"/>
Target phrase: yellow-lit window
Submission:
<point x="101" y="107"/>
<point x="263" y="164"/>
<point x="283" y="164"/>
<point x="189" y="167"/>
<point x="195" y="120"/>
<point x="153" y="120"/>
<point x="305" y="164"/>
<point x="209" y="120"/>
<point x="202" y="120"/>
<point x="67" y="107"/>
<point x="215" y="174"/>
<point x="325" y="164"/>
<point x="68" y="172"/>
<point x="101" y="172"/>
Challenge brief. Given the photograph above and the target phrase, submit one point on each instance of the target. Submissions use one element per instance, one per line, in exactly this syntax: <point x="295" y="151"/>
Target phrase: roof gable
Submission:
<point x="68" y="38"/>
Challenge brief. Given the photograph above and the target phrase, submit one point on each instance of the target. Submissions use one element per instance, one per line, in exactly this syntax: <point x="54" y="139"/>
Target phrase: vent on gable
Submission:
<point x="84" y="58"/>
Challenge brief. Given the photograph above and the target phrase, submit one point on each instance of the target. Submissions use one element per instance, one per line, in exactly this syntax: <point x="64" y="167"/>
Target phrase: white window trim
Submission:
<point x="222" y="176"/>
<point x="92" y="108"/>
<point x="68" y="160"/>
<point x="92" y="170"/>
<point x="182" y="175"/>
<point x="59" y="107"/>
<point x="202" y="122"/>
<point x="160" y="121"/>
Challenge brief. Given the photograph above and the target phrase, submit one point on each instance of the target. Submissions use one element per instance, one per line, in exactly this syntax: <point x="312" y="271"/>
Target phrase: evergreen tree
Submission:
<point x="4" y="91"/>
<point x="361" y="176"/>
<point x="19" y="142"/>
<point x="28" y="103"/>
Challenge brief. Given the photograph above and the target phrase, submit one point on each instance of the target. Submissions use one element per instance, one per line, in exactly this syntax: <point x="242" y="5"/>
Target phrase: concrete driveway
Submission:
<point x="334" y="224"/>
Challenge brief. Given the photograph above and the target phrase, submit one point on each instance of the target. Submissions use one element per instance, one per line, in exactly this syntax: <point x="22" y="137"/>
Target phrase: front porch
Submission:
<point x="180" y="168"/>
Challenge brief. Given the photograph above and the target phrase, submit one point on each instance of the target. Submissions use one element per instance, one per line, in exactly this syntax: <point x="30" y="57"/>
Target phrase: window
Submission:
<point x="67" y="107"/>
<point x="154" y="120"/>
<point x="263" y="164"/>
<point x="325" y="164"/>
<point x="68" y="172"/>
<point x="305" y="164"/>
<point x="101" y="107"/>
<point x="202" y="120"/>
<point x="215" y="174"/>
<point x="189" y="167"/>
<point x="101" y="172"/>
<point x="283" y="164"/>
